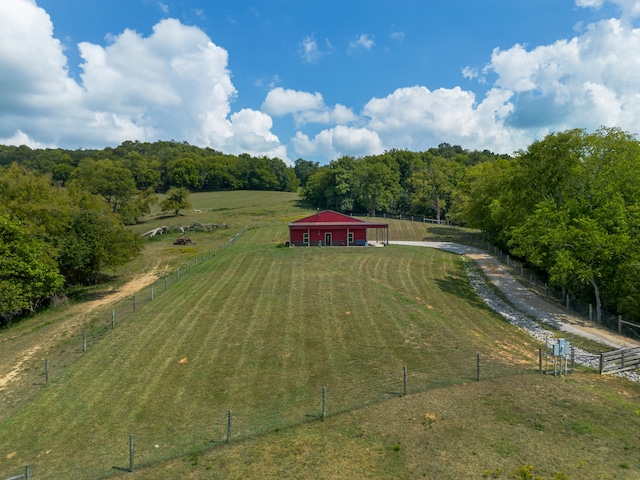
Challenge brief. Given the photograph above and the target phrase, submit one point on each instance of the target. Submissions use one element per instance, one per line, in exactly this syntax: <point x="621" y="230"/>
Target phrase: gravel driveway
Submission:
<point x="524" y="305"/>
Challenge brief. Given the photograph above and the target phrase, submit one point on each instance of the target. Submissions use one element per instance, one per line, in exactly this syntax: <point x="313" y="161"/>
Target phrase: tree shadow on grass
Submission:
<point x="461" y="289"/>
<point x="447" y="234"/>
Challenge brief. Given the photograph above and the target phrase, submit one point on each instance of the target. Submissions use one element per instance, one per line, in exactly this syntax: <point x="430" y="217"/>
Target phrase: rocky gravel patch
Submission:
<point x="526" y="323"/>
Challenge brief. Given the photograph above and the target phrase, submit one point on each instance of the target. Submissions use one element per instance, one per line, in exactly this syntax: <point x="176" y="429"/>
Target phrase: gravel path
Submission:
<point x="524" y="306"/>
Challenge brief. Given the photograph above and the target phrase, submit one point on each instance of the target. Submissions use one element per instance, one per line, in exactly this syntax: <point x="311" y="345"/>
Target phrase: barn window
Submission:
<point x="305" y="238"/>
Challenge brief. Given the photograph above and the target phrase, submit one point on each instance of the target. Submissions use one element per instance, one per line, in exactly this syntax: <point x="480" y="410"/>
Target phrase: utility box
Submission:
<point x="561" y="354"/>
<point x="561" y="348"/>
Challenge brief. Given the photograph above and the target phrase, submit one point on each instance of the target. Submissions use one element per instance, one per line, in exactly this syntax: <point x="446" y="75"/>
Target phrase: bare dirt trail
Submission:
<point x="529" y="303"/>
<point x="78" y="315"/>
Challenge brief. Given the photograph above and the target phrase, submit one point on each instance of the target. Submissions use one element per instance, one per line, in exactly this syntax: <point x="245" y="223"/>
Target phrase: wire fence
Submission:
<point x="301" y="404"/>
<point x="561" y="298"/>
<point x="528" y="277"/>
<point x="207" y="428"/>
<point x="143" y="448"/>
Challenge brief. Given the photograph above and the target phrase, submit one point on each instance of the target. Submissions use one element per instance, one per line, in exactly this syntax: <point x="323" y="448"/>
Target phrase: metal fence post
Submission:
<point x="131" y="453"/>
<point x="539" y="360"/>
<point x="478" y="367"/>
<point x="404" y="374"/>
<point x="228" y="426"/>
<point x="324" y="403"/>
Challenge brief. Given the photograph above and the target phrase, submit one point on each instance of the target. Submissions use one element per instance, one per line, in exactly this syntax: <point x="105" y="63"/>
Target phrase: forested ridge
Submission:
<point x="568" y="205"/>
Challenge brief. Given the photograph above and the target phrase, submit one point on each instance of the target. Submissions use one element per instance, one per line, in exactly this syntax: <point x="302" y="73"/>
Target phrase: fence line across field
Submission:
<point x="333" y="399"/>
<point x="123" y="309"/>
<point x="239" y="424"/>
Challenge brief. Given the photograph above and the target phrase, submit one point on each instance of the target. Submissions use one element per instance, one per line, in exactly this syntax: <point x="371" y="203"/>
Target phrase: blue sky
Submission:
<point x="316" y="80"/>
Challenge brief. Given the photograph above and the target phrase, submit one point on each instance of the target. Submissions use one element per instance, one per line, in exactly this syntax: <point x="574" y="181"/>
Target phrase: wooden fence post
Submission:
<point x="601" y="363"/>
<point x="113" y="318"/>
<point x="165" y="284"/>
<point x="46" y="371"/>
<point x="151" y="292"/>
<point x="478" y="367"/>
<point x="84" y="340"/>
<point x="619" y="323"/>
<point x="134" y="303"/>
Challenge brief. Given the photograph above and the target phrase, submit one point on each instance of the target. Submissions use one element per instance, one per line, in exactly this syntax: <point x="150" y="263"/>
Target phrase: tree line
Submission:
<point x="163" y="164"/>
<point x="568" y="205"/>
<point x="53" y="237"/>
<point x="397" y="181"/>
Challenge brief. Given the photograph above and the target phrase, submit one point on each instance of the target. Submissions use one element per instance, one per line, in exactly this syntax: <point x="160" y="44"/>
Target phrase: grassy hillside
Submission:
<point x="259" y="330"/>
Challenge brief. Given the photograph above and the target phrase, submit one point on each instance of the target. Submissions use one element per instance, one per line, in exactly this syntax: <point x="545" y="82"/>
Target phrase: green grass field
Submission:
<point x="259" y="330"/>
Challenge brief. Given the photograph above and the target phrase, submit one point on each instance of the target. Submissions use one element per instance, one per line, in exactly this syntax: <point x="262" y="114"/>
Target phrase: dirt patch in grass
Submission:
<point x="77" y="316"/>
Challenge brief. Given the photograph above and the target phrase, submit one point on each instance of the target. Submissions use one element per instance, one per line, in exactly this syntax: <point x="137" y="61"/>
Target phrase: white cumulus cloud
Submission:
<point x="282" y="101"/>
<point x="338" y="141"/>
<point x="418" y="118"/>
<point x="173" y="84"/>
<point x="586" y="81"/>
<point x="630" y="8"/>
<point x="305" y="107"/>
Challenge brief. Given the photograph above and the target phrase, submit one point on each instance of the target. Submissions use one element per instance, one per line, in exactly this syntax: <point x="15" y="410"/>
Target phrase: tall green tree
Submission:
<point x="478" y="198"/>
<point x="114" y="183"/>
<point x="377" y="185"/>
<point x="42" y="208"/>
<point x="177" y="199"/>
<point x="95" y="241"/>
<point x="186" y="172"/>
<point x="432" y="185"/>
<point x="584" y="231"/>
<point x="28" y="274"/>
<point x="304" y="169"/>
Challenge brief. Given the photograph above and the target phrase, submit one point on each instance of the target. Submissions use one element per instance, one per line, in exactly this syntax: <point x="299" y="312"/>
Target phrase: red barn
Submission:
<point x="332" y="228"/>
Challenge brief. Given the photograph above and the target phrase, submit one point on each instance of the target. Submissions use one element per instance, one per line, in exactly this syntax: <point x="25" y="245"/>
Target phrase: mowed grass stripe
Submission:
<point x="262" y="330"/>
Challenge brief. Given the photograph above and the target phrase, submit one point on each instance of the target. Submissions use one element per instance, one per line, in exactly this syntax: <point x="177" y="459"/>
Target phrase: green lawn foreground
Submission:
<point x="260" y="330"/>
